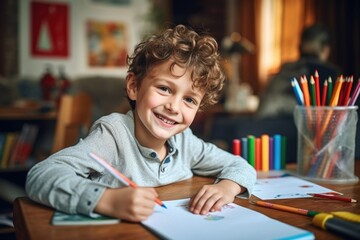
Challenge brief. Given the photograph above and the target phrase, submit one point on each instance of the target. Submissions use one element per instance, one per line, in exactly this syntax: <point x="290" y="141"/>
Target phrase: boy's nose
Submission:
<point x="173" y="105"/>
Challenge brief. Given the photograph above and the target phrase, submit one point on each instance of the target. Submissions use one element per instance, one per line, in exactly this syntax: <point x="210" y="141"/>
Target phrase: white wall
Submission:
<point x="79" y="12"/>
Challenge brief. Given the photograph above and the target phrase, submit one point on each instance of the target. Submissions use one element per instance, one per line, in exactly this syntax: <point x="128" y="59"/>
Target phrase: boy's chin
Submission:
<point x="167" y="134"/>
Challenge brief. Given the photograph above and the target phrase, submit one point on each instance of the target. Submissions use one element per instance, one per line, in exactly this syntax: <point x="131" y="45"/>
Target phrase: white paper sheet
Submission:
<point x="287" y="187"/>
<point x="232" y="222"/>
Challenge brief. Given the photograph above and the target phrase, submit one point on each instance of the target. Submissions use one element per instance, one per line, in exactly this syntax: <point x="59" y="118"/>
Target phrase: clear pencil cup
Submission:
<point x="326" y="143"/>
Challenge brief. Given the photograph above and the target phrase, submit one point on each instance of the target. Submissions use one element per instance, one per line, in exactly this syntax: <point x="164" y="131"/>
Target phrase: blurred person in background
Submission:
<point x="278" y="98"/>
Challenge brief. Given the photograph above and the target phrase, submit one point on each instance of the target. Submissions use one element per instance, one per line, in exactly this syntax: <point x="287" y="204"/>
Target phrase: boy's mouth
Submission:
<point x="165" y="120"/>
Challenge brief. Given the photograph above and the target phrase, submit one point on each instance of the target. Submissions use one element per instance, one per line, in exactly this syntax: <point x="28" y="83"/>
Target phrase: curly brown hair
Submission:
<point x="187" y="49"/>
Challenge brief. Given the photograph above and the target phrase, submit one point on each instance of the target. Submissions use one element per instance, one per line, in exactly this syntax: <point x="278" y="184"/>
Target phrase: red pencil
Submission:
<point x="317" y="88"/>
<point x="348" y="91"/>
<point x="324" y="93"/>
<point x="344" y="199"/>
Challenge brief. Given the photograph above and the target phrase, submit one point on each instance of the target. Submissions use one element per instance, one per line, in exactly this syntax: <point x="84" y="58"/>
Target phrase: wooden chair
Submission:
<point x="74" y="116"/>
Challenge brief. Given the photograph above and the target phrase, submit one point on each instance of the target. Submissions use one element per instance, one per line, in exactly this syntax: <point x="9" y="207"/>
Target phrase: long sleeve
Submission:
<point x="209" y="160"/>
<point x="71" y="181"/>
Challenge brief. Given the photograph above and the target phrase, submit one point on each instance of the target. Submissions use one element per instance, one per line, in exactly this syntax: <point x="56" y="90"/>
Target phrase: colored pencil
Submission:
<point x="344" y="199"/>
<point x="312" y="91"/>
<point x="342" y="92"/>
<point x="119" y="176"/>
<point x="329" y="92"/>
<point x="336" y="93"/>
<point x="298" y="94"/>
<point x="317" y="88"/>
<point x="355" y="94"/>
<point x="324" y="93"/>
<point x="285" y="208"/>
<point x="305" y="89"/>
<point x="333" y="103"/>
<point x="348" y="91"/>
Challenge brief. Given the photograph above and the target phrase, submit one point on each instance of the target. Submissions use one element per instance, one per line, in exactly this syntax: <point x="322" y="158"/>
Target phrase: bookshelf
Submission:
<point x="26" y="113"/>
<point x="26" y="125"/>
<point x="15" y="120"/>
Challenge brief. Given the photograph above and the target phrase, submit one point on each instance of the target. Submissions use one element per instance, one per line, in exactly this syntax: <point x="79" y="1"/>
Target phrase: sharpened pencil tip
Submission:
<point x="163" y="205"/>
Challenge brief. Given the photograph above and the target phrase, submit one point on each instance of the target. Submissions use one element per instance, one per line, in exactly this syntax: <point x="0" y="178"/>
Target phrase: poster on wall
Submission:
<point x="49" y="29"/>
<point x="107" y="43"/>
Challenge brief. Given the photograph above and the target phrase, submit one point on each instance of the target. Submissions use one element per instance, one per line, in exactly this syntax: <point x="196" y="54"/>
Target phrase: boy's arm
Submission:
<point x="209" y="160"/>
<point x="70" y="180"/>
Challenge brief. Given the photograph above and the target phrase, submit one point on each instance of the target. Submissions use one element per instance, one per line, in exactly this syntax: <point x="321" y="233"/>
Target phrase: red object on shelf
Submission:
<point x="64" y="82"/>
<point x="49" y="86"/>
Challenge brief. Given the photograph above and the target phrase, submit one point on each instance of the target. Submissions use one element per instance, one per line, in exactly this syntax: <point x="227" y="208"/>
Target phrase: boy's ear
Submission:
<point x="131" y="86"/>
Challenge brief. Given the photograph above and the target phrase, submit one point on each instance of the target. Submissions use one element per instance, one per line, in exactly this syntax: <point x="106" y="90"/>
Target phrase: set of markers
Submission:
<point x="264" y="153"/>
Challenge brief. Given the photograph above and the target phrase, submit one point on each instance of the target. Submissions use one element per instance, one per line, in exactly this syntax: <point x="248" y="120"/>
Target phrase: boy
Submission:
<point x="171" y="76"/>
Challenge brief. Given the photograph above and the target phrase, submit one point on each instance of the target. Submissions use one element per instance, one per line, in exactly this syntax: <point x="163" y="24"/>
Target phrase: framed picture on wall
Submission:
<point x="49" y="29"/>
<point x="107" y="43"/>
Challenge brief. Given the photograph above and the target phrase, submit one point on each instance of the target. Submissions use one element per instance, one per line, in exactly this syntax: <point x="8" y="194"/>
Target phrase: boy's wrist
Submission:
<point x="104" y="205"/>
<point x="232" y="186"/>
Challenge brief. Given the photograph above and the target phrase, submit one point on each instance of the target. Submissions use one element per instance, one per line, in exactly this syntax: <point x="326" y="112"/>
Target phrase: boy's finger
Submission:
<point x="211" y="203"/>
<point x="194" y="201"/>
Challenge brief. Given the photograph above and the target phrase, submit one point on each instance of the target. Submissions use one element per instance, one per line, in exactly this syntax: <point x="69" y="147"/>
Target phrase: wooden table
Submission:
<point x="32" y="220"/>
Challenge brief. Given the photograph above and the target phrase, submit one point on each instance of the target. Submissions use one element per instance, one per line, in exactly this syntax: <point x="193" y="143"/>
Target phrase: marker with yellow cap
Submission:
<point x="336" y="225"/>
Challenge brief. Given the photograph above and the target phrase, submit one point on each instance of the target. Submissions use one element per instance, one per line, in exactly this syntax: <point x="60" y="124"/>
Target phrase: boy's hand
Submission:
<point x="131" y="204"/>
<point x="213" y="197"/>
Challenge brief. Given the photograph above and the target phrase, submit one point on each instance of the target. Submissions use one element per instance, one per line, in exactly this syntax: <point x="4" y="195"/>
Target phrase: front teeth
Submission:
<point x="165" y="120"/>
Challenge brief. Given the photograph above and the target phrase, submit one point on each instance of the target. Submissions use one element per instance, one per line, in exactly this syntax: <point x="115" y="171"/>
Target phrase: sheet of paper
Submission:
<point x="286" y="187"/>
<point x="232" y="222"/>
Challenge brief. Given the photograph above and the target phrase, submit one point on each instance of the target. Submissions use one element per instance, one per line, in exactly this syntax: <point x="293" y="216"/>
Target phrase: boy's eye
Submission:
<point x="164" y="89"/>
<point x="190" y="100"/>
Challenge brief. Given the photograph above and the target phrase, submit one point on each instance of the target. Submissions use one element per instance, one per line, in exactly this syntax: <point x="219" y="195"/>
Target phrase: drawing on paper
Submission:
<point x="286" y="187"/>
<point x="213" y="217"/>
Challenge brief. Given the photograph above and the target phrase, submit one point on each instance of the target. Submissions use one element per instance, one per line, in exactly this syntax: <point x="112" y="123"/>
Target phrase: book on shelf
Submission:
<point x="64" y="219"/>
<point x="2" y="145"/>
<point x="7" y="148"/>
<point x="16" y="147"/>
<point x="23" y="145"/>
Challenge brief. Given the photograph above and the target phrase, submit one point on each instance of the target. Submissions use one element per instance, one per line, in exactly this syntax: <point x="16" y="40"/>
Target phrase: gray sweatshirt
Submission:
<point x="71" y="181"/>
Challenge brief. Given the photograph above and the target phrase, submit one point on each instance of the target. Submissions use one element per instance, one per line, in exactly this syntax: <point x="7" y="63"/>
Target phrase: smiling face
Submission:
<point x="166" y="103"/>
